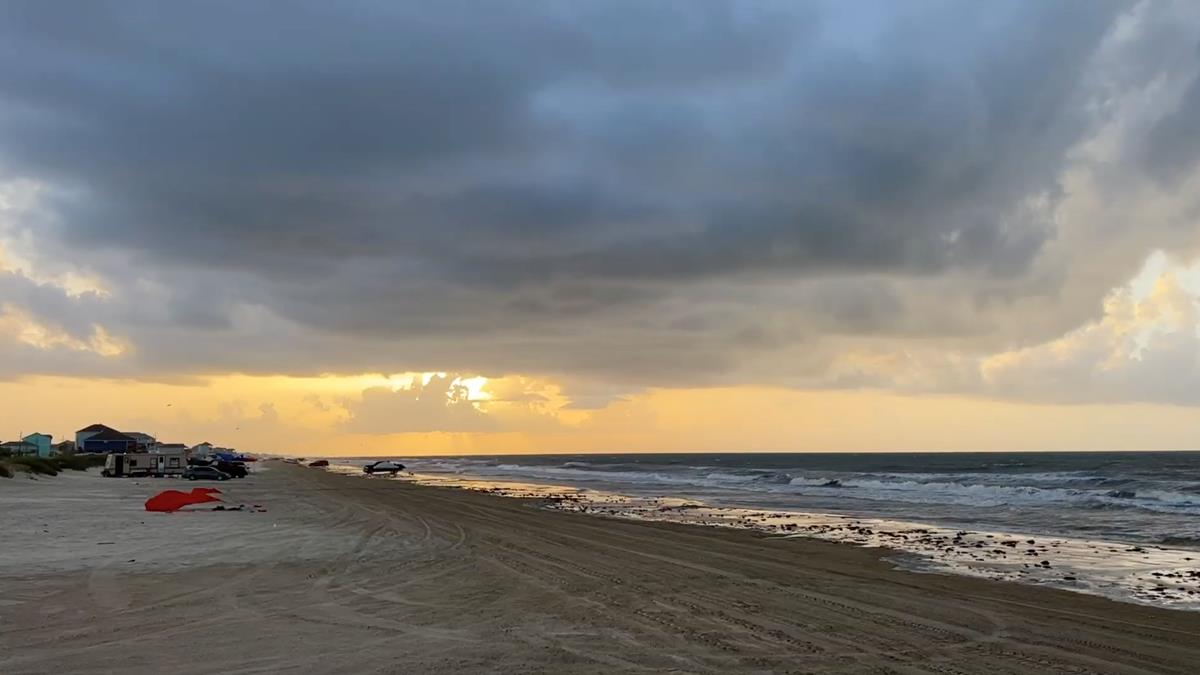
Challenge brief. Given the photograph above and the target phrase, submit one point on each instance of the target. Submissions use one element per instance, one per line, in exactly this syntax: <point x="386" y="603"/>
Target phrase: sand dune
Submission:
<point x="346" y="575"/>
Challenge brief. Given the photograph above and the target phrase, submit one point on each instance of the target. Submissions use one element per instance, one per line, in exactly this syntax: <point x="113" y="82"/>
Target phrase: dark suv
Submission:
<point x="204" y="473"/>
<point x="234" y="469"/>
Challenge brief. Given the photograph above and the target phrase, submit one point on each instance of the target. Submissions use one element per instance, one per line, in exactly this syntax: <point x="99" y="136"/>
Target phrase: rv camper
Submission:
<point x="145" y="464"/>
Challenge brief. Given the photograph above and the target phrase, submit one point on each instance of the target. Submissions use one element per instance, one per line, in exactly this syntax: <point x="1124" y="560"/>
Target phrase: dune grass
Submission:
<point x="79" y="462"/>
<point x="48" y="466"/>
<point x="38" y="465"/>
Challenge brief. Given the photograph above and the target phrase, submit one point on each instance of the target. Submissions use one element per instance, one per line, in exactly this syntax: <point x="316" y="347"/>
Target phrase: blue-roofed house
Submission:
<point x="87" y="432"/>
<point x="101" y="439"/>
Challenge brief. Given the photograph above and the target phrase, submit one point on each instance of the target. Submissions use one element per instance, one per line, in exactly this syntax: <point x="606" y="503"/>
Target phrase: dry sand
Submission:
<point x="347" y="575"/>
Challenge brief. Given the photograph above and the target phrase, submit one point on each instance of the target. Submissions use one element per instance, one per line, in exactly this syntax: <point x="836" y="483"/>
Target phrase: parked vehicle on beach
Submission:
<point x="204" y="473"/>
<point x="234" y="469"/>
<point x="142" y="464"/>
<point x="384" y="466"/>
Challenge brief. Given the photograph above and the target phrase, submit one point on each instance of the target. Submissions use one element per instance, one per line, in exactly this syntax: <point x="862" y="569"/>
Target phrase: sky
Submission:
<point x="511" y="226"/>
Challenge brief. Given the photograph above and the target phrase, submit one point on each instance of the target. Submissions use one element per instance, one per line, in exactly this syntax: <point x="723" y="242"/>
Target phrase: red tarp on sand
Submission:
<point x="173" y="500"/>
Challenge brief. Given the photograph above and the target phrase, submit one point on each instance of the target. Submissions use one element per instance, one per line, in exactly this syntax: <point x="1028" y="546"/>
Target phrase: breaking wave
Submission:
<point x="1076" y="489"/>
<point x="969" y="489"/>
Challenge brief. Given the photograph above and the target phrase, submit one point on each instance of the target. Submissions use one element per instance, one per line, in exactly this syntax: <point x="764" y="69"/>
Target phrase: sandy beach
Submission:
<point x="344" y="575"/>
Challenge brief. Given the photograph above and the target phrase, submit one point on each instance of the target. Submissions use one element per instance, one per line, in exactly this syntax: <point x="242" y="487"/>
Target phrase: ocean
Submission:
<point x="1126" y="525"/>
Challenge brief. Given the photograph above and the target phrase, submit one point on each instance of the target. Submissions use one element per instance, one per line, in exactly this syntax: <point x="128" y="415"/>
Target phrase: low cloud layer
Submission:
<point x="439" y="404"/>
<point x="620" y="194"/>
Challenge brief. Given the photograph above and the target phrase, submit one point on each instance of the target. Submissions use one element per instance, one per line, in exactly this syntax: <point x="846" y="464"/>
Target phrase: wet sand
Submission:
<point x="347" y="575"/>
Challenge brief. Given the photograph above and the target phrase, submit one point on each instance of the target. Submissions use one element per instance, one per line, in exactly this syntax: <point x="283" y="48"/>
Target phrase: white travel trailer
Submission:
<point x="161" y="463"/>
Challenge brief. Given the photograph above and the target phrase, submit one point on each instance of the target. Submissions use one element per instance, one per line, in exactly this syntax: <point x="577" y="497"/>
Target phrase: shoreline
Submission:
<point x="343" y="575"/>
<point x="1123" y="571"/>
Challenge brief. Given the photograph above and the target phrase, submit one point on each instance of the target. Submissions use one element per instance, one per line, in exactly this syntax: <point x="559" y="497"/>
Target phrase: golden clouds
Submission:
<point x="313" y="416"/>
<point x="1144" y="347"/>
<point x="22" y="328"/>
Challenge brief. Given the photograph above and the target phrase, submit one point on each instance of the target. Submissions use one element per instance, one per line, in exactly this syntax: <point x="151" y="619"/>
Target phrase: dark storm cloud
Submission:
<point x="1173" y="146"/>
<point x="539" y="173"/>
